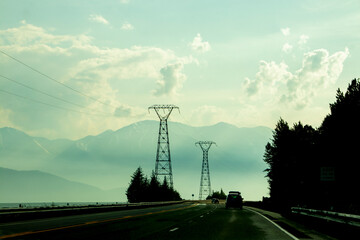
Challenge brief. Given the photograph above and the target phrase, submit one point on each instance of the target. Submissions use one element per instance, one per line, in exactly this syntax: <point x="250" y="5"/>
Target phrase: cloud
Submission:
<point x="198" y="44"/>
<point x="269" y="74"/>
<point x="319" y="69"/>
<point x="102" y="73"/>
<point x="98" y="19"/>
<point x="127" y="26"/>
<point x="287" y="48"/>
<point x="285" y="31"/>
<point x="30" y="38"/>
<point x="303" y="39"/>
<point x="171" y="80"/>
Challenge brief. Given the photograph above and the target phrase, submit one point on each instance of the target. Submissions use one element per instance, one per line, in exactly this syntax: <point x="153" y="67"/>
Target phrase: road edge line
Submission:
<point x="289" y="234"/>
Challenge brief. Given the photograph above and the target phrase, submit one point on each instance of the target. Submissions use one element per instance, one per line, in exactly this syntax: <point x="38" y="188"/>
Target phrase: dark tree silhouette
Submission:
<point x="154" y="191"/>
<point x="143" y="190"/>
<point x="318" y="168"/>
<point x="339" y="148"/>
<point x="216" y="194"/>
<point x="136" y="191"/>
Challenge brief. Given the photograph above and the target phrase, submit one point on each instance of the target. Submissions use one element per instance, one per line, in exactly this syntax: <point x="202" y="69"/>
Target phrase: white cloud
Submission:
<point x="127" y="26"/>
<point x="30" y="38"/>
<point x="199" y="45"/>
<point x="285" y="31"/>
<point x="319" y="70"/>
<point x="99" y="72"/>
<point x="98" y="19"/>
<point x="268" y="76"/>
<point x="287" y="48"/>
<point x="171" y="80"/>
<point x="303" y="39"/>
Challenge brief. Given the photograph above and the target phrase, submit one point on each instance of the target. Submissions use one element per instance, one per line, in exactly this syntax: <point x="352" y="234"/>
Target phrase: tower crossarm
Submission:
<point x="205" y="145"/>
<point x="163" y="110"/>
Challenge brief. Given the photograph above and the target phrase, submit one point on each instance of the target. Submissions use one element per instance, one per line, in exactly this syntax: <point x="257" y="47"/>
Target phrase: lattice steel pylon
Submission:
<point x="205" y="185"/>
<point x="163" y="157"/>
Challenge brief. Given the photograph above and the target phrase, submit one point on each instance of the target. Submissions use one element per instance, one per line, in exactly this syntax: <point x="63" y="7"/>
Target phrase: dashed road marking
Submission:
<point x="173" y="230"/>
<point x="91" y="222"/>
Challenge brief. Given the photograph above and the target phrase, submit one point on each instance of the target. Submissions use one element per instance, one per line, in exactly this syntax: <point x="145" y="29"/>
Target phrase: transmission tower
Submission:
<point x="205" y="185"/>
<point x="163" y="158"/>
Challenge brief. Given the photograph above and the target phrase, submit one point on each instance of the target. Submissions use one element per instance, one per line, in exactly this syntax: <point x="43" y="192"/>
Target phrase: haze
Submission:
<point x="103" y="63"/>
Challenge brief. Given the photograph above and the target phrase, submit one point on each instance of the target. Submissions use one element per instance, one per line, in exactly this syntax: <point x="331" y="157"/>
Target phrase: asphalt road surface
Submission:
<point x="182" y="221"/>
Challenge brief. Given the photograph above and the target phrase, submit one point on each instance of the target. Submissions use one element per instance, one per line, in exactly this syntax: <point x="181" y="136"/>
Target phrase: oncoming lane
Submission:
<point x="172" y="222"/>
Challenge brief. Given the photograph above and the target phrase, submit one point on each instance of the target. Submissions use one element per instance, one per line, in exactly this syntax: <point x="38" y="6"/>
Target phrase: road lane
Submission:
<point x="227" y="224"/>
<point x="183" y="221"/>
<point x="55" y="226"/>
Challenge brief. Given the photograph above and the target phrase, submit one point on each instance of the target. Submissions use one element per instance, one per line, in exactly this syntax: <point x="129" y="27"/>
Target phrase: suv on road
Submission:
<point x="234" y="199"/>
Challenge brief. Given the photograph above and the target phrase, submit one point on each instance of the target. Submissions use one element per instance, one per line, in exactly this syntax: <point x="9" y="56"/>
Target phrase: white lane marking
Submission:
<point x="173" y="230"/>
<point x="202" y="216"/>
<point x="289" y="234"/>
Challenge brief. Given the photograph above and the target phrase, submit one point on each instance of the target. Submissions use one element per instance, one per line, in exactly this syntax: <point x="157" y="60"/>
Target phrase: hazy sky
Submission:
<point x="247" y="63"/>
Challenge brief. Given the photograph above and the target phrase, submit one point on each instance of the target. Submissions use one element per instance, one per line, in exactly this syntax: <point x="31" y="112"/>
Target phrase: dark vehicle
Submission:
<point x="215" y="201"/>
<point x="234" y="200"/>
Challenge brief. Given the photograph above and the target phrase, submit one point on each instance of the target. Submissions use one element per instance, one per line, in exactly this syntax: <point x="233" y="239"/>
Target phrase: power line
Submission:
<point x="51" y="105"/>
<point x="54" y="80"/>
<point x="46" y="94"/>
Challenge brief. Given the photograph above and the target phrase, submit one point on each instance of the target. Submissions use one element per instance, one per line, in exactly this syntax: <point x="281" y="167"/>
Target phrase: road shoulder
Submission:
<point x="296" y="229"/>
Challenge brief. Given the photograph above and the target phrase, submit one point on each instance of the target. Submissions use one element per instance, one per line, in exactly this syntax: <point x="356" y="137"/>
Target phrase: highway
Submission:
<point x="181" y="221"/>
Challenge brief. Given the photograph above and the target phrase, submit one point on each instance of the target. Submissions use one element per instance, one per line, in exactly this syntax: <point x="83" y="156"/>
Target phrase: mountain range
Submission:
<point x="36" y="186"/>
<point x="107" y="161"/>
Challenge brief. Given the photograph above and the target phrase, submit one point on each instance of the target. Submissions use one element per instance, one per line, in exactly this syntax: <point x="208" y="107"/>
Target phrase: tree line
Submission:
<point x="318" y="167"/>
<point x="142" y="189"/>
<point x="217" y="194"/>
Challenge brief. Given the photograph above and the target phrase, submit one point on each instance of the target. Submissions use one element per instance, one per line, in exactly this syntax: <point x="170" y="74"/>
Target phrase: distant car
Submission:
<point x="215" y="201"/>
<point x="234" y="200"/>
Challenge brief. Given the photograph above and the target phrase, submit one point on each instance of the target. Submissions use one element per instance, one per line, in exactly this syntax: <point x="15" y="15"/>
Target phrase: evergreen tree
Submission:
<point x="154" y="188"/>
<point x="290" y="156"/>
<point x="143" y="190"/>
<point x="339" y="138"/>
<point x="136" y="191"/>
<point x="297" y="156"/>
<point x="217" y="194"/>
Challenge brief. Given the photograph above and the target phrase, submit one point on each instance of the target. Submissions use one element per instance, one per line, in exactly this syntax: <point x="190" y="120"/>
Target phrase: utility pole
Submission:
<point x="205" y="185"/>
<point x="163" y="158"/>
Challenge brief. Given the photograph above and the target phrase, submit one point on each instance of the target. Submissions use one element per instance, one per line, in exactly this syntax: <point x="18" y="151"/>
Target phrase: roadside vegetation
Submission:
<point x="142" y="189"/>
<point x="318" y="167"/>
<point x="217" y="194"/>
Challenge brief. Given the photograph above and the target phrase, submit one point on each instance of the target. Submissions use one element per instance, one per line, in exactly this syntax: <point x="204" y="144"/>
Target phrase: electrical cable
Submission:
<point x="56" y="81"/>
<point x="51" y="105"/>
<point x="46" y="94"/>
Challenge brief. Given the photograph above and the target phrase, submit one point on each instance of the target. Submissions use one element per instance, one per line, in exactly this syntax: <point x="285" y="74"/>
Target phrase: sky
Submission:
<point x="69" y="68"/>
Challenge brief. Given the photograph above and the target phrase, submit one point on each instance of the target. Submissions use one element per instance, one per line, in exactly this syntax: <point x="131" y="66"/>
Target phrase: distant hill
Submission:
<point x="108" y="160"/>
<point x="37" y="186"/>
